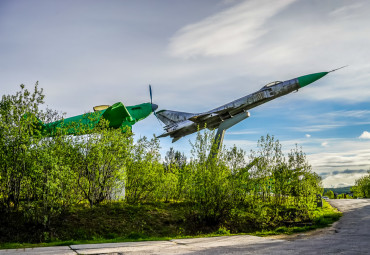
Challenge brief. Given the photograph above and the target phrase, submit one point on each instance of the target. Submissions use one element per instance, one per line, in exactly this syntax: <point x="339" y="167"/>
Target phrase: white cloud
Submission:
<point x="308" y="135"/>
<point x="246" y="145"/>
<point x="341" y="180"/>
<point x="341" y="155"/>
<point x="243" y="132"/>
<point x="324" y="144"/>
<point x="365" y="135"/>
<point x="346" y="114"/>
<point x="318" y="121"/>
<point x="346" y="11"/>
<point x="273" y="40"/>
<point x="227" y="32"/>
<point x="322" y="127"/>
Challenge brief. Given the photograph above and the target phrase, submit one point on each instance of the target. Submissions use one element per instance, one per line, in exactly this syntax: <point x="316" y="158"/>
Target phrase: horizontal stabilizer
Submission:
<point x="175" y="139"/>
<point x="163" y="135"/>
<point x="172" y="135"/>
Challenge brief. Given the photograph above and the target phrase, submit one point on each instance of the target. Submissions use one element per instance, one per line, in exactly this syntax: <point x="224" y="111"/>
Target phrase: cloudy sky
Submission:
<point x="201" y="54"/>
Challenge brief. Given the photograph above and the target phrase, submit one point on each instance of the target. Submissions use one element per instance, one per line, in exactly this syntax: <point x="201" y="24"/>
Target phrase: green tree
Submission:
<point x="268" y="159"/>
<point x="329" y="194"/>
<point x="144" y="172"/>
<point x="235" y="158"/>
<point x="16" y="140"/>
<point x="208" y="182"/>
<point x="305" y="183"/>
<point x="100" y="162"/>
<point x="278" y="181"/>
<point x="50" y="188"/>
<point x="362" y="186"/>
<point x="174" y="174"/>
<point x="174" y="159"/>
<point x="35" y="173"/>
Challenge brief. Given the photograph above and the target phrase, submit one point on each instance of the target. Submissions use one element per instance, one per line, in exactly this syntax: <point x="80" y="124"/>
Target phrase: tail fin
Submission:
<point x="170" y="117"/>
<point x="116" y="114"/>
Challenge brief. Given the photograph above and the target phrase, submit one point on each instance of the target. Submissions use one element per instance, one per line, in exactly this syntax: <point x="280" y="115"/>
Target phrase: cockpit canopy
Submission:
<point x="271" y="84"/>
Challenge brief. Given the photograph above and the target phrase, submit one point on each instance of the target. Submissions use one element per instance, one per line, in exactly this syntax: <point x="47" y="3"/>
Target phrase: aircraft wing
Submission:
<point x="218" y="116"/>
<point x="201" y="117"/>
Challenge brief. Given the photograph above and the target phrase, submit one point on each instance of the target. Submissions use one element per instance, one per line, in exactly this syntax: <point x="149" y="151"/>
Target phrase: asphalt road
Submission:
<point x="350" y="235"/>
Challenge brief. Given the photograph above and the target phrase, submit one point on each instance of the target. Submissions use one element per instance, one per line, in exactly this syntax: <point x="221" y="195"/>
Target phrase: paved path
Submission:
<point x="350" y="235"/>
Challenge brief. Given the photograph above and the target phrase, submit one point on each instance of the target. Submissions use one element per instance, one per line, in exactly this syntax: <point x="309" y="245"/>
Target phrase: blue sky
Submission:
<point x="201" y="54"/>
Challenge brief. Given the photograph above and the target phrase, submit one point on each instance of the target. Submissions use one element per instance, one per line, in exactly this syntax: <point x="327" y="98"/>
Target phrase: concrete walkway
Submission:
<point x="350" y="235"/>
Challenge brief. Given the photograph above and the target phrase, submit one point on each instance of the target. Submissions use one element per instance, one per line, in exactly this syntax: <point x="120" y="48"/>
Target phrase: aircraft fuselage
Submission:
<point x="179" y="124"/>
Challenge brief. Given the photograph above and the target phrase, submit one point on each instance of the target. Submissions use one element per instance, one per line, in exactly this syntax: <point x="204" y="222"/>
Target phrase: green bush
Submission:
<point x="144" y="172"/>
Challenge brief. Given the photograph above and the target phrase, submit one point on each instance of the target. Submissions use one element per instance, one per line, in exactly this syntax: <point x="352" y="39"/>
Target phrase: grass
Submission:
<point x="321" y="217"/>
<point x="119" y="222"/>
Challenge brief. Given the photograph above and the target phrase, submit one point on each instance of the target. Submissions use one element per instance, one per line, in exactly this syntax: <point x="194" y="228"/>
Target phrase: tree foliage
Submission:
<point x="43" y="176"/>
<point x="100" y="163"/>
<point x="362" y="186"/>
<point x="16" y="139"/>
<point x="144" y="171"/>
<point x="329" y="194"/>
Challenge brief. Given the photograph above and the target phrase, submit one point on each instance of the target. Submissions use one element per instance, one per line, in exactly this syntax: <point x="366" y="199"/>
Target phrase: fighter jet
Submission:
<point x="179" y="124"/>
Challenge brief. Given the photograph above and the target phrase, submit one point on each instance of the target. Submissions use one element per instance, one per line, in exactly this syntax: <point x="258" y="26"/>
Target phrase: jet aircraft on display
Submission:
<point x="179" y="124"/>
<point x="118" y="116"/>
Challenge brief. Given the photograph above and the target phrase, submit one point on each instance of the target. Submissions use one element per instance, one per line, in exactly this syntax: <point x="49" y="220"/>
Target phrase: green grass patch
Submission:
<point x="120" y="222"/>
<point x="321" y="217"/>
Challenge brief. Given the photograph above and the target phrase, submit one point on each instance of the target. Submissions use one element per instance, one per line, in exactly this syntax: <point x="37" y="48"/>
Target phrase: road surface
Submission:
<point x="350" y="235"/>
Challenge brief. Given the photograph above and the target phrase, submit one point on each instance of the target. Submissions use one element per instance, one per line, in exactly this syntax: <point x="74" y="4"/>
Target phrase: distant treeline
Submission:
<point x="41" y="177"/>
<point x="341" y="190"/>
<point x="360" y="189"/>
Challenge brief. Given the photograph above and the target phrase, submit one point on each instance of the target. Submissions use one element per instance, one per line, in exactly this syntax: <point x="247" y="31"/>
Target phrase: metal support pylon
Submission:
<point x="226" y="124"/>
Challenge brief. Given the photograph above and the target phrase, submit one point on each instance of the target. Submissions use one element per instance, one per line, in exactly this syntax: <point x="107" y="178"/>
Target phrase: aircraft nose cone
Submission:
<point x="154" y="107"/>
<point x="308" y="79"/>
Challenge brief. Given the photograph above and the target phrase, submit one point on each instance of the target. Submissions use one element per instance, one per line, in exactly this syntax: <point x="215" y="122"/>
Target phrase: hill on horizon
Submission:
<point x="340" y="190"/>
